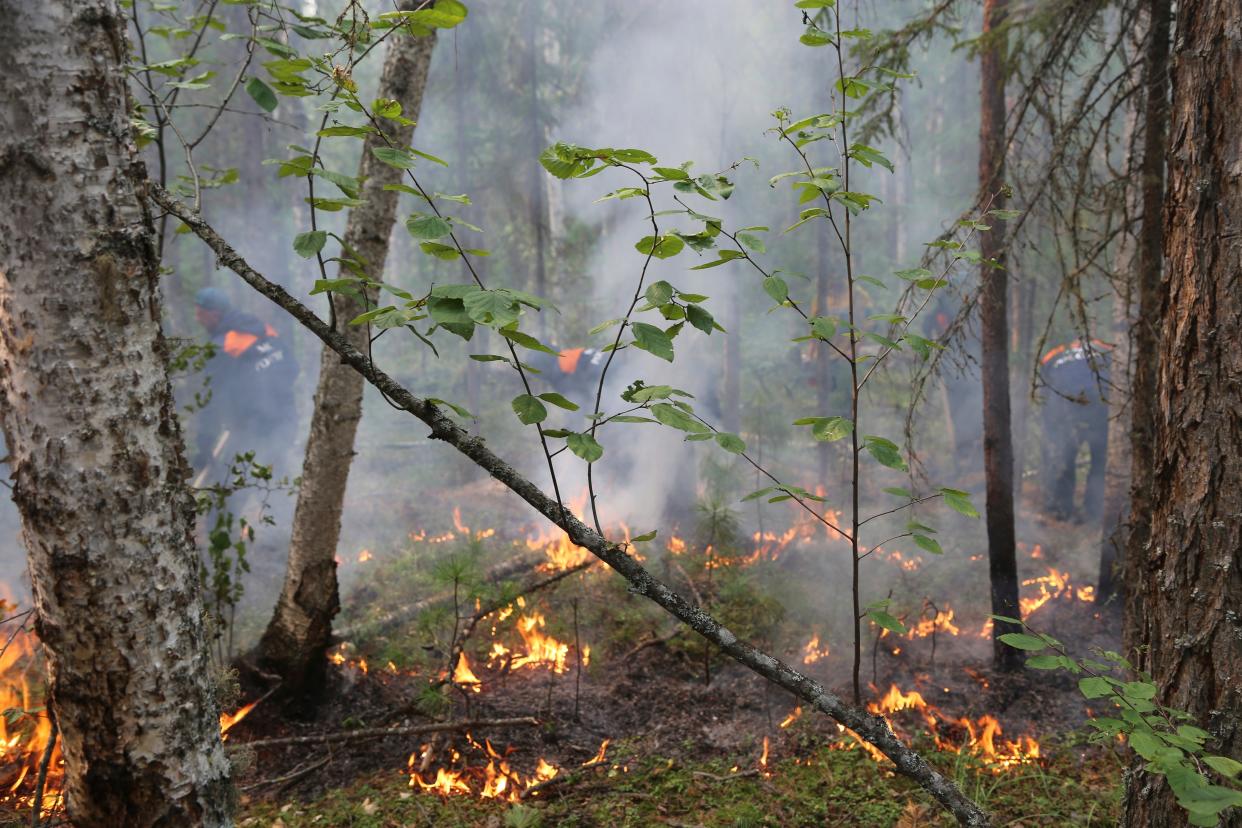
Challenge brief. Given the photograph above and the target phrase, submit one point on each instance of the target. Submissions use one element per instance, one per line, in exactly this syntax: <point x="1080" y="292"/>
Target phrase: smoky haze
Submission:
<point x="693" y="81"/>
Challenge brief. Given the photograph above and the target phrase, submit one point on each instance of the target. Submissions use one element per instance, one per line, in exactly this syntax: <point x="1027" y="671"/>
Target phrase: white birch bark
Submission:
<point x="100" y="479"/>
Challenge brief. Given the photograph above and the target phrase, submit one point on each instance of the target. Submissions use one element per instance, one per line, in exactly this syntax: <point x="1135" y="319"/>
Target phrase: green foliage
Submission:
<point x="1204" y="784"/>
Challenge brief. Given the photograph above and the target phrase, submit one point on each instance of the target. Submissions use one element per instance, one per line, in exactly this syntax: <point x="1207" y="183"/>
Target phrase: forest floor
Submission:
<point x="643" y="737"/>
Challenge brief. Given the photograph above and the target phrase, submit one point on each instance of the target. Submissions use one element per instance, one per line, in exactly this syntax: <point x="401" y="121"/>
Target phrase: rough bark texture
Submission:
<point x="874" y="729"/>
<point x="300" y="631"/>
<point x="1184" y="580"/>
<point x="994" y="340"/>
<point x="100" y="480"/>
<point x="1150" y="296"/>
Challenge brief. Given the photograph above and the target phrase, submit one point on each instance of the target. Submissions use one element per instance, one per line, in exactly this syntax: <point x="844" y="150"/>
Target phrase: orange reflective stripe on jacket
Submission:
<point x="237" y="343"/>
<point x="270" y="331"/>
<point x="1060" y="349"/>
<point x="568" y="360"/>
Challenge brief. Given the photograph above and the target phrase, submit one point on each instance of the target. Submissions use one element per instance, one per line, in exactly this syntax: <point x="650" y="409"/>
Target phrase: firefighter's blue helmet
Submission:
<point x="212" y="299"/>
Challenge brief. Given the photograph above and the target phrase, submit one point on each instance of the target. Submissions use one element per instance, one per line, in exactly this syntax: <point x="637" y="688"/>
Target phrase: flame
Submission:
<point x="1053" y="586"/>
<point x="763" y="759"/>
<point x="792" y="717"/>
<point x="541" y="649"/>
<point x="979" y="737"/>
<point x="364" y="556"/>
<point x="25" y="734"/>
<point x="812" y="652"/>
<point x="227" y="720"/>
<point x="463" y="676"/>
<point x="943" y="622"/>
<point x="599" y="755"/>
<point x="676" y="545"/>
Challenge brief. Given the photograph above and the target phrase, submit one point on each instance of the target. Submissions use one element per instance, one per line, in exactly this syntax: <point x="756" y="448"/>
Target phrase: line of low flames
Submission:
<point x="981" y="737"/>
<point x="495" y="780"/>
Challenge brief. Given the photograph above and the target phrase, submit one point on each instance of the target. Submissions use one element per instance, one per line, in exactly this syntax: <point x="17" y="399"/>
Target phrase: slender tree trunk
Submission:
<point x="300" y="631"/>
<point x="994" y="339"/>
<point x="538" y="195"/>
<point x="823" y="357"/>
<point x="1117" y="467"/>
<point x="1185" y="573"/>
<point x="100" y="478"/>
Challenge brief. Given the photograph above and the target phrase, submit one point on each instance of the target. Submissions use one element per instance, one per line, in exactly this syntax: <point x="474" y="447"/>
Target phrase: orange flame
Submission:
<point x="792" y="717"/>
<point x="812" y="652"/>
<point x="227" y="720"/>
<point x="599" y="755"/>
<point x="980" y="735"/>
<point x="464" y="676"/>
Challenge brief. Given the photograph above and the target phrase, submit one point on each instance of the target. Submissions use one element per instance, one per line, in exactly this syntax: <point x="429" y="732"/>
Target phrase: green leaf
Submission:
<point x="959" y="501"/>
<point x="700" y="319"/>
<point x="491" y="307"/>
<point x="427" y="228"/>
<point x="525" y="340"/>
<point x="308" y="244"/>
<point x="559" y="401"/>
<point x="1139" y="690"/>
<point x="671" y="415"/>
<point x="1095" y="687"/>
<point x="666" y="246"/>
<point x="886" y="621"/>
<point x="775" y="287"/>
<point x="262" y="94"/>
<point x="646" y="536"/>
<point x="884" y="451"/>
<point x="823" y="327"/>
<point x="395" y="157"/>
<point x="930" y="544"/>
<point x="1143" y="743"/>
<point x="751" y="242"/>
<point x="1044" y="662"/>
<point x="658" y="293"/>
<point x="1223" y="765"/>
<point x="899" y="491"/>
<point x="814" y="37"/>
<point x="529" y="410"/>
<point x="730" y="442"/>
<point x="1022" y="641"/>
<point x="584" y="446"/>
<point x="653" y="340"/>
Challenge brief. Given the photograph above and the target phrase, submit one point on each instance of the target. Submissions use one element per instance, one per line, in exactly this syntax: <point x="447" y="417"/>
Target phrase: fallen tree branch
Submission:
<point x="382" y="732"/>
<point x="872" y="729"/>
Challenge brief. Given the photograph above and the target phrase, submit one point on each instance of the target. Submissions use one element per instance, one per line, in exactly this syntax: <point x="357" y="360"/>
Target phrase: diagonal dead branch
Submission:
<point x="871" y="728"/>
<point x="368" y="733"/>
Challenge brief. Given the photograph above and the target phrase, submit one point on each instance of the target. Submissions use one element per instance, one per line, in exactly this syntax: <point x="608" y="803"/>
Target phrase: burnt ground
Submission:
<point x="653" y="703"/>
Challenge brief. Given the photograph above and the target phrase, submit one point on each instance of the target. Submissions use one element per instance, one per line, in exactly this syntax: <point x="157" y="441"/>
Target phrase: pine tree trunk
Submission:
<point x="300" y="631"/>
<point x="994" y="339"/>
<point x="100" y="477"/>
<point x="1184" y="577"/>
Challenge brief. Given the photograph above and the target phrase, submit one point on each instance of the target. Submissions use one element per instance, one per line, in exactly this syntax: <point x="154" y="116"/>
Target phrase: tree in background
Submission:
<point x="994" y="337"/>
<point x="96" y="451"/>
<point x="300" y="631"/>
<point x="1184" y="566"/>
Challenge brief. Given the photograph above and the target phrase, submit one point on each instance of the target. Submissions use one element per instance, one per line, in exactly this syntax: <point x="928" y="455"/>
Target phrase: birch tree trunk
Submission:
<point x="297" y="637"/>
<point x="100" y="479"/>
<point x="1183" y="625"/>
<point x="994" y="339"/>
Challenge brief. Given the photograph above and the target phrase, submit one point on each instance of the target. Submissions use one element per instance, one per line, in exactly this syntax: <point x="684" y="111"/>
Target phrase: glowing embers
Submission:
<point x="979" y="737"/>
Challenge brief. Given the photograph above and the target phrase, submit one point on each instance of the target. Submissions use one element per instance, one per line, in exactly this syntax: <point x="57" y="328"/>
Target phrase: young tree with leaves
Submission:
<point x="300" y="631"/>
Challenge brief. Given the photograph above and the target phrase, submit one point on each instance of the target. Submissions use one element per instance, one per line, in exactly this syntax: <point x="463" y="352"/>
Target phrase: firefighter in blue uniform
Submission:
<point x="251" y="376"/>
<point x="1074" y="414"/>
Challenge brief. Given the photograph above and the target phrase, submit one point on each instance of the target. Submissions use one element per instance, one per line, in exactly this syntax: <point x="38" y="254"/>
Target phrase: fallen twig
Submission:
<point x="381" y="732"/>
<point x="36" y="806"/>
<point x="289" y="777"/>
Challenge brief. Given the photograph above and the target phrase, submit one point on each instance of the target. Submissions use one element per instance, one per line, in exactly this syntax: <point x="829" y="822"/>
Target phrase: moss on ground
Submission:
<point x="827" y="788"/>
